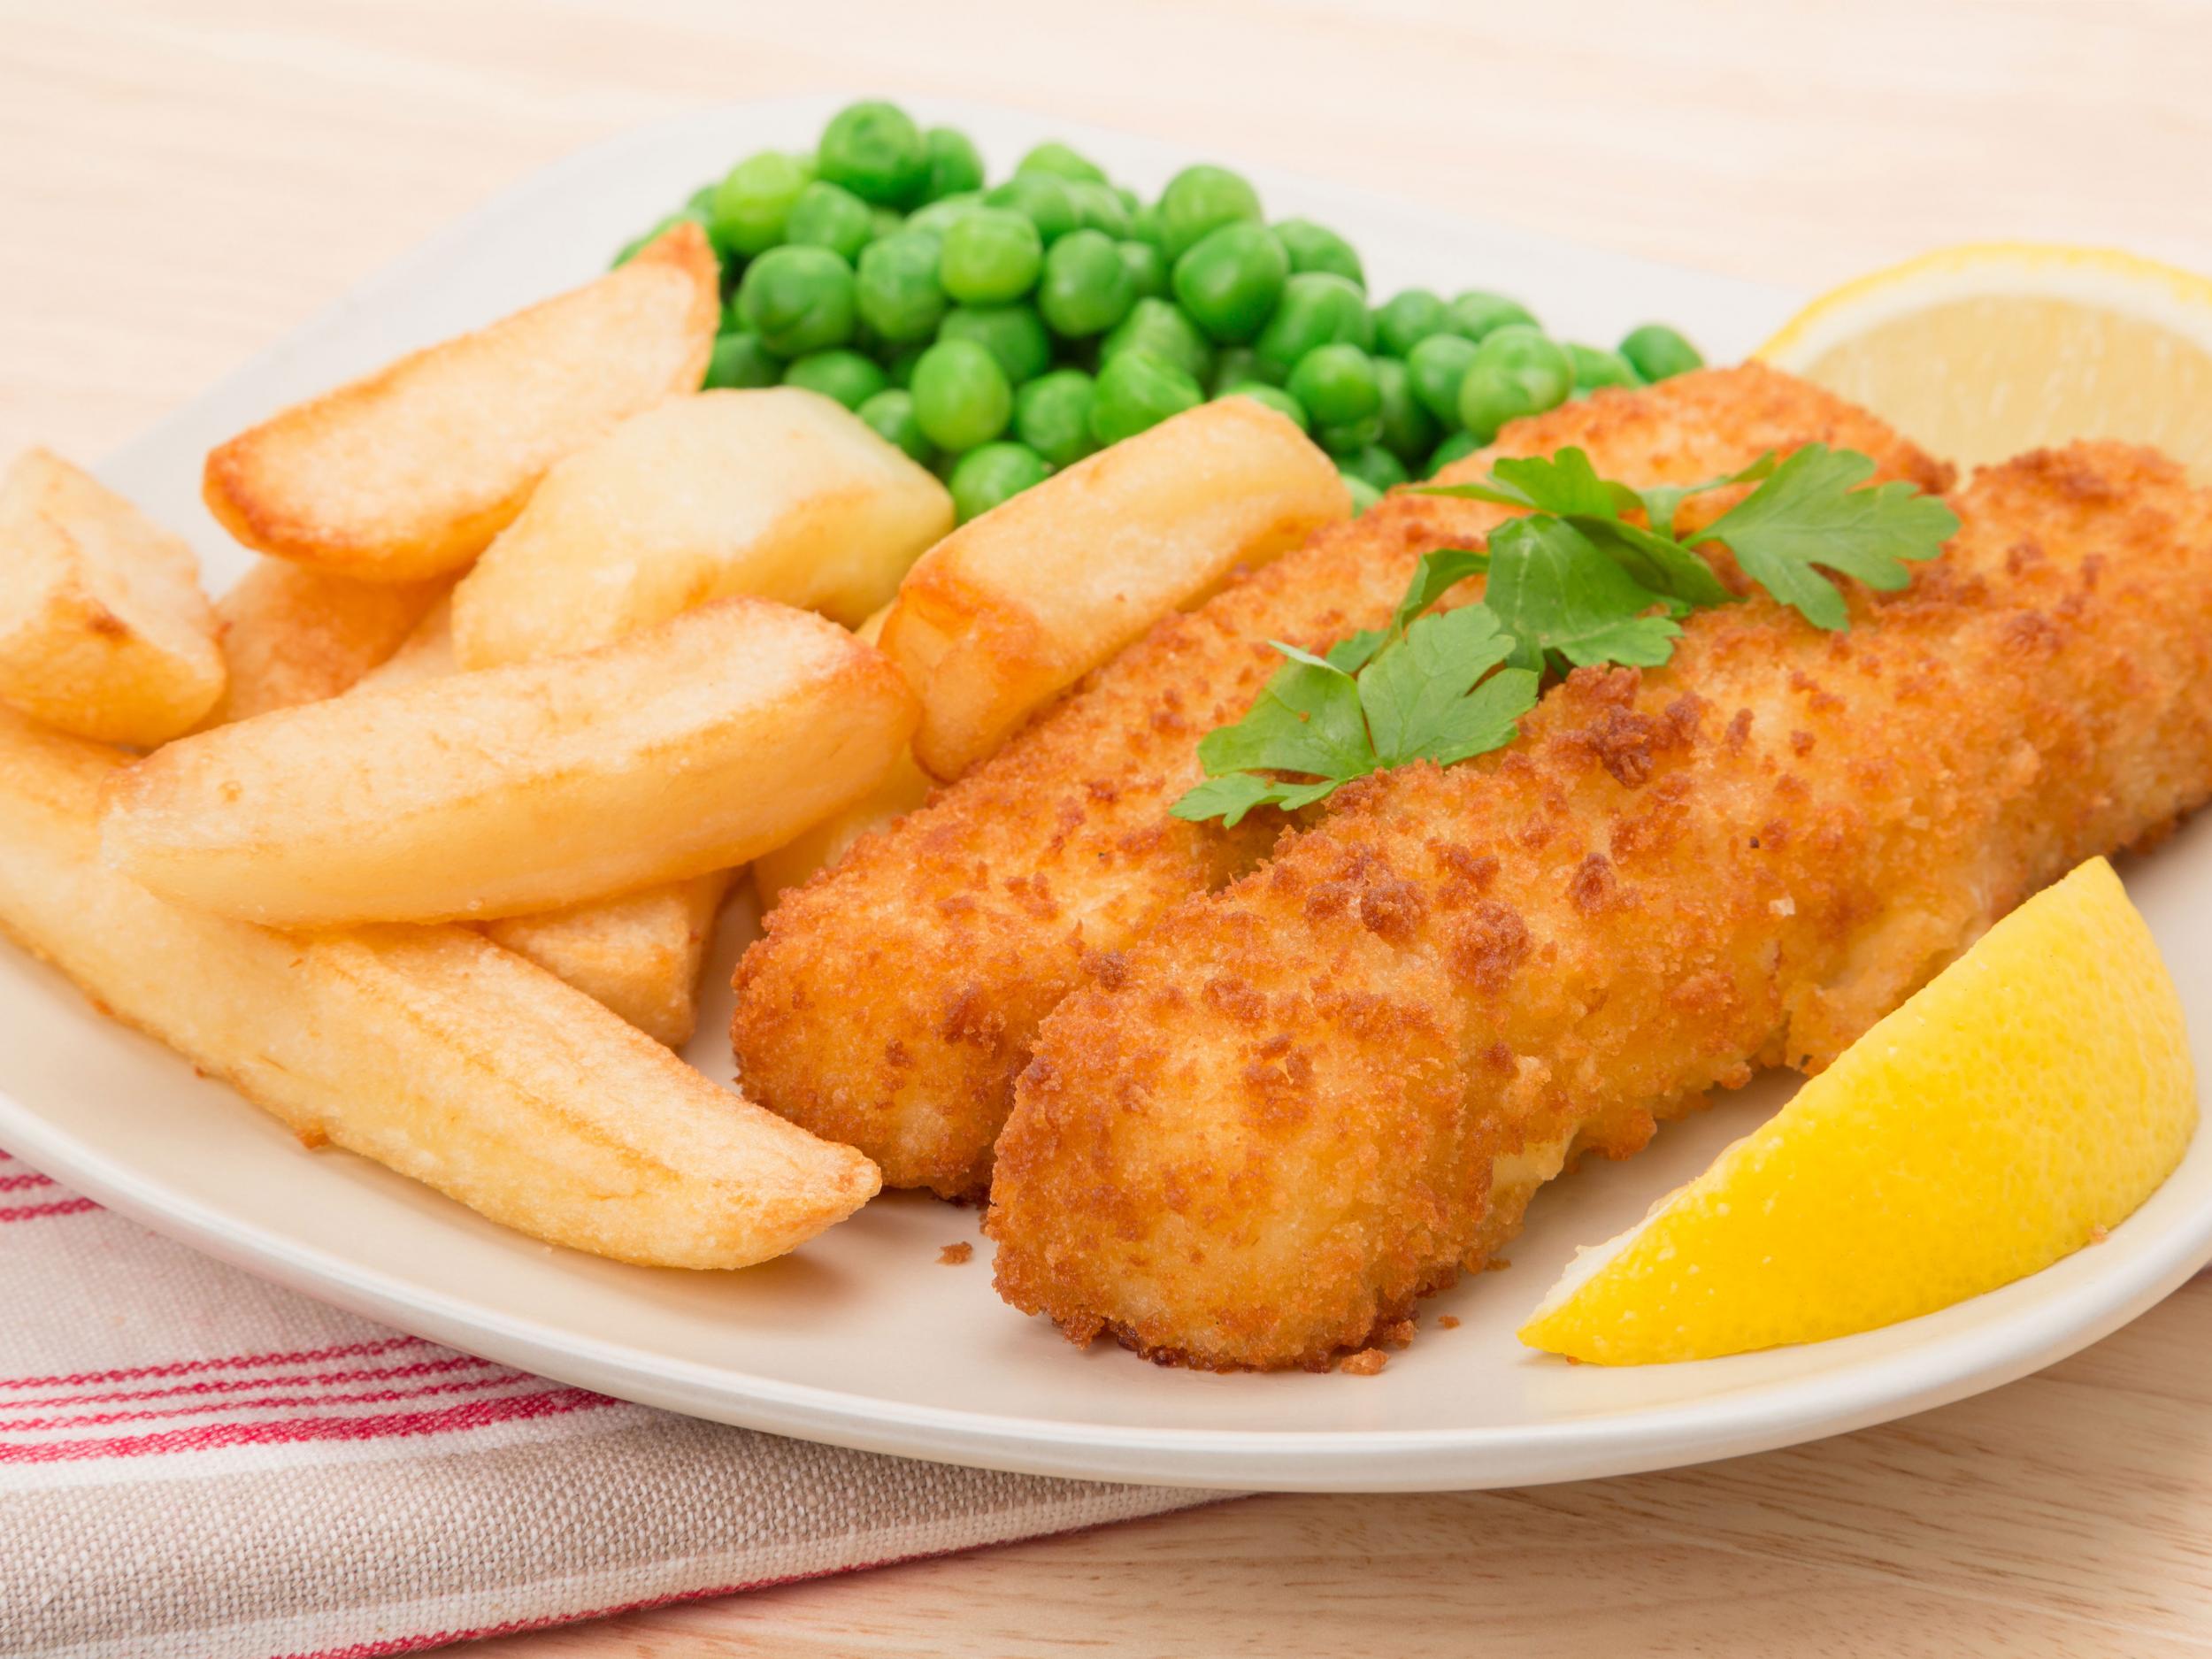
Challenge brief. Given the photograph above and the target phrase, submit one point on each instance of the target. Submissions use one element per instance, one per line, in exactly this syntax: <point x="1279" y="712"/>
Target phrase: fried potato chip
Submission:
<point x="782" y="493"/>
<point x="1016" y="606"/>
<point x="410" y="472"/>
<point x="103" y="629"/>
<point x="905" y="787"/>
<point x="429" y="1049"/>
<point x="639" y="953"/>
<point x="425" y="654"/>
<point x="293" y="635"/>
<point x="686" y="749"/>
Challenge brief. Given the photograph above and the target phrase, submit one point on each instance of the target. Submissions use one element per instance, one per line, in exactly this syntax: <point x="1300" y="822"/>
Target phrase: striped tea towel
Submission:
<point x="197" y="1465"/>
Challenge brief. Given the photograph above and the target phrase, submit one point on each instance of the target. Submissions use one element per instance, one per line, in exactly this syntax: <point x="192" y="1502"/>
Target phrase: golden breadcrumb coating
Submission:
<point x="1298" y="1104"/>
<point x="896" y="998"/>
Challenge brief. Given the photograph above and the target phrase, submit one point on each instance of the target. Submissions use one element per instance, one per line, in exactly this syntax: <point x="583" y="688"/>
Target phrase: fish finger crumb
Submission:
<point x="953" y="1254"/>
<point x="1366" y="1362"/>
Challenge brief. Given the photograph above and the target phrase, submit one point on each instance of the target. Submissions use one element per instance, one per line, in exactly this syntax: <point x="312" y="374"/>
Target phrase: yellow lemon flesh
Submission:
<point x="2028" y="1097"/>
<point x="1983" y="351"/>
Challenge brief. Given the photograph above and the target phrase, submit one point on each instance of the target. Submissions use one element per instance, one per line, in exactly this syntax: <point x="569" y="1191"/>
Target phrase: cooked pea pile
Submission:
<point x="998" y="333"/>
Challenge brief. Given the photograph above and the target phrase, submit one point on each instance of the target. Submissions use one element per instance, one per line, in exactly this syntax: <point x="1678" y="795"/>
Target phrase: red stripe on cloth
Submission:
<point x="34" y="1212"/>
<point x="267" y="1402"/>
<point x="311" y="1380"/>
<point x="228" y="1362"/>
<point x="18" y="1183"/>
<point x="475" y="1414"/>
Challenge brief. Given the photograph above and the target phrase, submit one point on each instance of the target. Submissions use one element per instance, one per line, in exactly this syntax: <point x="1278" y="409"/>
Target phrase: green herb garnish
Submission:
<point x="1427" y="687"/>
<point x="1571" y="583"/>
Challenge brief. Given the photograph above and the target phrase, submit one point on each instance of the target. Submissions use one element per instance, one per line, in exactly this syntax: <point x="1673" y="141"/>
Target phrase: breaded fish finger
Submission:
<point x="896" y="998"/>
<point x="1300" y="1103"/>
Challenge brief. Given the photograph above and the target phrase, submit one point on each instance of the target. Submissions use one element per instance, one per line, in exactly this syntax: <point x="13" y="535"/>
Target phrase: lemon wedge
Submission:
<point x="1982" y="351"/>
<point x="2028" y="1097"/>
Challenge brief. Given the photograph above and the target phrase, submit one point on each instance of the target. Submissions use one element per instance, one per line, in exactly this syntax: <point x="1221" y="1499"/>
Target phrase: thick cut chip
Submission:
<point x="822" y="845"/>
<point x="431" y="1050"/>
<point x="425" y="654"/>
<point x="905" y="787"/>
<point x="782" y="493"/>
<point x="1016" y="606"/>
<point x="103" y="629"/>
<point x="293" y="635"/>
<point x="686" y="749"/>
<point x="639" y="953"/>
<point x="410" y="472"/>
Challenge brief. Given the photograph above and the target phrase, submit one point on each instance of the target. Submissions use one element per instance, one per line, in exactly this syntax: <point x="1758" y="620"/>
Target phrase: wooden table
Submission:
<point x="180" y="189"/>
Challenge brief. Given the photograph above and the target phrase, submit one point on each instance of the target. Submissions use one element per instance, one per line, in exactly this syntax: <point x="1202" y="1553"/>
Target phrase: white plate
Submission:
<point x="863" y="1339"/>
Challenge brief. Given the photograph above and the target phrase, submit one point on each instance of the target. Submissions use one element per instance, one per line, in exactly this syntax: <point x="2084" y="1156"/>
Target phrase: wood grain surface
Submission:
<point x="181" y="183"/>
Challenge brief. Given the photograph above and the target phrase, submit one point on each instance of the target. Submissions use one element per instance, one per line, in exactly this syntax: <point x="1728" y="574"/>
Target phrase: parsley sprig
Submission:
<point x="1572" y="583"/>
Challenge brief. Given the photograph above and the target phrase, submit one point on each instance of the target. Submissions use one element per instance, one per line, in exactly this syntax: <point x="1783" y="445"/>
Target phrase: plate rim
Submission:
<point x="1726" y="1423"/>
<point x="1718" y="1425"/>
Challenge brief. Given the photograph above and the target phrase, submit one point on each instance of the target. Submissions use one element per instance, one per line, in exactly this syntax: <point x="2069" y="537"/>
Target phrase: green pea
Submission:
<point x="1317" y="309"/>
<point x="1375" y="464"/>
<point x="1146" y="266"/>
<point x="952" y="167"/>
<point x="962" y="397"/>
<point x="884" y="221"/>
<point x="1235" y="364"/>
<point x="830" y="216"/>
<point x="1407" y="318"/>
<point x="1657" y="353"/>
<point x="1595" y="366"/>
<point x="1056" y="158"/>
<point x="1313" y="247"/>
<point x="843" y="374"/>
<point x="896" y="287"/>
<point x="875" y="151"/>
<point x="1042" y="198"/>
<point x="1230" y="279"/>
<point x="1137" y="390"/>
<point x="1014" y="334"/>
<point x="1409" y="431"/>
<point x="1273" y="398"/>
<point x="740" y="360"/>
<point x="982" y="479"/>
<point x="890" y="414"/>
<point x="937" y="217"/>
<point x="749" y="206"/>
<point x="990" y="255"/>
<point x="1350" y="437"/>
<point x="1363" y="493"/>
<point x="1475" y="313"/>
<point x="1519" y="370"/>
<point x="1098" y="208"/>
<point x="1144" y="226"/>
<point x="899" y="362"/>
<point x="1436" y="366"/>
<point x="1161" y="328"/>
<point x="1085" y="288"/>
<point x="1202" y="199"/>
<point x="1337" y="384"/>
<point x="798" y="300"/>
<point x="1052" y="415"/>
<point x="1462" y="442"/>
